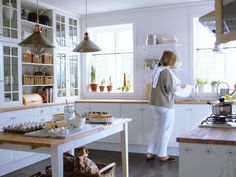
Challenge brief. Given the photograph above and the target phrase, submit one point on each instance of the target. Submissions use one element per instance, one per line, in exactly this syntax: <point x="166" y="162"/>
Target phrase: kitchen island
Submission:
<point x="207" y="152"/>
<point x="56" y="147"/>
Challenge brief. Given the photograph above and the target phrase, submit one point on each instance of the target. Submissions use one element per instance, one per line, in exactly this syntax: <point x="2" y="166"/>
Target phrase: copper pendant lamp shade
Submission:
<point x="36" y="39"/>
<point x="86" y="45"/>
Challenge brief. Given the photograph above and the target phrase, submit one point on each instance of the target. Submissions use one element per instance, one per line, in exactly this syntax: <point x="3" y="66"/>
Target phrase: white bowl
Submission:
<point x="78" y="122"/>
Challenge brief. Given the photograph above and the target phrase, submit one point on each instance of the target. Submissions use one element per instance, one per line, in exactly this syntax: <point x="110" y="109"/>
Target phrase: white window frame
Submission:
<point x="85" y="77"/>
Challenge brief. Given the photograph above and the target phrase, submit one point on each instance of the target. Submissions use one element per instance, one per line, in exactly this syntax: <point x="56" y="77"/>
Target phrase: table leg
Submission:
<point x="57" y="161"/>
<point x="124" y="143"/>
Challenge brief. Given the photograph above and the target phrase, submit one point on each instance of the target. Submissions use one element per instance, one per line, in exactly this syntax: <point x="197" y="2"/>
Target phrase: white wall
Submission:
<point x="165" y="21"/>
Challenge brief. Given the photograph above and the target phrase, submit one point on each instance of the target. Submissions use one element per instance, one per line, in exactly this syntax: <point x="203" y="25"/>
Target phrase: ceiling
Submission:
<point x="98" y="6"/>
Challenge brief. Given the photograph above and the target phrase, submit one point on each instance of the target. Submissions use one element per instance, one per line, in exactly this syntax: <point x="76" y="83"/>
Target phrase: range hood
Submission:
<point x="229" y="18"/>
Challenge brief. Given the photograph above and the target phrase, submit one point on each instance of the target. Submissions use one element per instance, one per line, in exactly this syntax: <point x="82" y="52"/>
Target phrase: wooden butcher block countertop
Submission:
<point x="221" y="136"/>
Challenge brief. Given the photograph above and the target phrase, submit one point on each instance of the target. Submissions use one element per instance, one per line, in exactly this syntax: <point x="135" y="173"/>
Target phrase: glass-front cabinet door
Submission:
<point x="67" y="71"/>
<point x="73" y="33"/>
<point x="60" y="30"/>
<point x="10" y="80"/>
<point x="61" y="74"/>
<point x="74" y="74"/>
<point x="9" y="25"/>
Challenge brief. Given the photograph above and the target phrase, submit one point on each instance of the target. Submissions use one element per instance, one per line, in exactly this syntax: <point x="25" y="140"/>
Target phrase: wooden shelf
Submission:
<point x="36" y="64"/>
<point x="29" y="24"/>
<point x="41" y="85"/>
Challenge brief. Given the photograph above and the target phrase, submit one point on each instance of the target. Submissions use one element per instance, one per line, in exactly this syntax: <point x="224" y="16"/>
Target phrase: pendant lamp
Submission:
<point x="86" y="45"/>
<point x="36" y="39"/>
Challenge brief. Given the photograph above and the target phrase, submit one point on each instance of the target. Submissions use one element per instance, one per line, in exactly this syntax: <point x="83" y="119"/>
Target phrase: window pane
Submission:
<point x="209" y="65"/>
<point x="116" y="57"/>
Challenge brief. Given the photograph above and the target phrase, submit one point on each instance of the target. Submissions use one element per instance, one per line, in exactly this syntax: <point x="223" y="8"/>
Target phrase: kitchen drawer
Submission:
<point x="57" y="109"/>
<point x="42" y="118"/>
<point x="41" y="111"/>
<point x="23" y="116"/>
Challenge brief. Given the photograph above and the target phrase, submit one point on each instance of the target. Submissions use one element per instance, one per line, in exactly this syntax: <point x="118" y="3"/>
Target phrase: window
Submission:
<point x="116" y="58"/>
<point x="209" y="65"/>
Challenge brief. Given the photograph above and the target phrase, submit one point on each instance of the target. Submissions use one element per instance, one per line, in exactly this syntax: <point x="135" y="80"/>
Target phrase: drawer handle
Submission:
<point x="13" y="118"/>
<point x="208" y="151"/>
<point x="230" y="153"/>
<point x="58" y="109"/>
<point x="41" y="111"/>
<point x="187" y="149"/>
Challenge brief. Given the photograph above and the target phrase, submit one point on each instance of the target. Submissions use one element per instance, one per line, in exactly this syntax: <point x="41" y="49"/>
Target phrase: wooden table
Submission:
<point x="56" y="147"/>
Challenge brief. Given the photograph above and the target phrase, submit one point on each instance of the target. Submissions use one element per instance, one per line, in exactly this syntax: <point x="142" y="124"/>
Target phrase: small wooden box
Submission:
<point x="38" y="80"/>
<point x="48" y="79"/>
<point x="47" y="58"/>
<point x="37" y="58"/>
<point x="28" y="80"/>
<point x="28" y="58"/>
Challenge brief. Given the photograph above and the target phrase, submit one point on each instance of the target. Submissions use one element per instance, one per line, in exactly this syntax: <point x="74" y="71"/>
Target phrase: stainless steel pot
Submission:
<point x="222" y="108"/>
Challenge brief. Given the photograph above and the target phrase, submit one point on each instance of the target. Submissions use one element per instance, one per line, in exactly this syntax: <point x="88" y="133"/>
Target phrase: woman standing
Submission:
<point x="164" y="85"/>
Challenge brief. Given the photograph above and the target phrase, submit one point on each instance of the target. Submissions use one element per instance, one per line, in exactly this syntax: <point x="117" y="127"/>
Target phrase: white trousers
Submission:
<point x="160" y="135"/>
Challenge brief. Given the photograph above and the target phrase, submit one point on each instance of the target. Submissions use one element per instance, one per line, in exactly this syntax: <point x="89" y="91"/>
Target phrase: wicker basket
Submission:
<point x="28" y="58"/>
<point x="37" y="58"/>
<point x="38" y="80"/>
<point x="47" y="58"/>
<point x="48" y="79"/>
<point x="28" y="80"/>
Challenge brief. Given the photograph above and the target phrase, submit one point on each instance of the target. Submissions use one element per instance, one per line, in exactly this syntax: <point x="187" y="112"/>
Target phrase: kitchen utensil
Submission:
<point x="221" y="108"/>
<point x="223" y="91"/>
<point x="69" y="112"/>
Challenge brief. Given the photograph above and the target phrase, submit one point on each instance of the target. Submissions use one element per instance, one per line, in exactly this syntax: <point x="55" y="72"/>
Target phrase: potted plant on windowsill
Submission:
<point x="102" y="86"/>
<point x="213" y="86"/>
<point x="201" y="84"/>
<point x="93" y="84"/>
<point x="109" y="86"/>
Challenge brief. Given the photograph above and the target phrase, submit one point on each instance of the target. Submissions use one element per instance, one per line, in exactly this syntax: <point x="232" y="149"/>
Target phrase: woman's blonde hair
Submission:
<point x="168" y="58"/>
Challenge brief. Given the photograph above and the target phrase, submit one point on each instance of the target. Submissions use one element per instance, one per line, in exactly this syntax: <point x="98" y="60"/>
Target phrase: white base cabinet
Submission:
<point x="186" y="116"/>
<point x="9" y="158"/>
<point x="207" y="160"/>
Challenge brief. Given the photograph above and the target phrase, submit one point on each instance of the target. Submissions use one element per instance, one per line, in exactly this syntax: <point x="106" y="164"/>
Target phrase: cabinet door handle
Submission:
<point x="13" y="118"/>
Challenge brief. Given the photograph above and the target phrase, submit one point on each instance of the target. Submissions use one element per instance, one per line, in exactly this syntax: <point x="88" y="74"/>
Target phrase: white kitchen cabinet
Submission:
<point x="82" y="107"/>
<point x="21" y="117"/>
<point x="15" y="117"/>
<point x="10" y="75"/>
<point x="186" y="117"/>
<point x="135" y="130"/>
<point x="114" y="110"/>
<point x="6" y="156"/>
<point x="148" y="122"/>
<point x="9" y="20"/>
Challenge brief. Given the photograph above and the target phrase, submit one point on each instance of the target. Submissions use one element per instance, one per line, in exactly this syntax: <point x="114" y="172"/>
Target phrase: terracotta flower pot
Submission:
<point x="109" y="88"/>
<point x="101" y="88"/>
<point x="94" y="87"/>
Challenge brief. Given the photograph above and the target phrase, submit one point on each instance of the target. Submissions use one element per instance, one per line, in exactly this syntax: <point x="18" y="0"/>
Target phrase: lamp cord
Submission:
<point x="37" y="11"/>
<point x="86" y="15"/>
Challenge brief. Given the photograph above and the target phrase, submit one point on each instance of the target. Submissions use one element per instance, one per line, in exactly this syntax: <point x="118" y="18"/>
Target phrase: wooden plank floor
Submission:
<point x="138" y="165"/>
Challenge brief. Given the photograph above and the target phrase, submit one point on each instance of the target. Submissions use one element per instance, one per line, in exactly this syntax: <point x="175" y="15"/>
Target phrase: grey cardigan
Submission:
<point x="163" y="94"/>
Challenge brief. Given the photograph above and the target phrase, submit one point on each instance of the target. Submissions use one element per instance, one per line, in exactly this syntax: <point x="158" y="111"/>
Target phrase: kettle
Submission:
<point x="223" y="91"/>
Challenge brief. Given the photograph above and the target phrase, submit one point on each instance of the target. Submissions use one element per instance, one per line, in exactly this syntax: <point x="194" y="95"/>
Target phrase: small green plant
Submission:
<point x="103" y="82"/>
<point x="93" y="74"/>
<point x="110" y="81"/>
<point x="214" y="83"/>
<point x="201" y="81"/>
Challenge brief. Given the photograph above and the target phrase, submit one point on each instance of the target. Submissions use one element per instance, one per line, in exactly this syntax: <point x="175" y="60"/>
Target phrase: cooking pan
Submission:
<point x="221" y="108"/>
